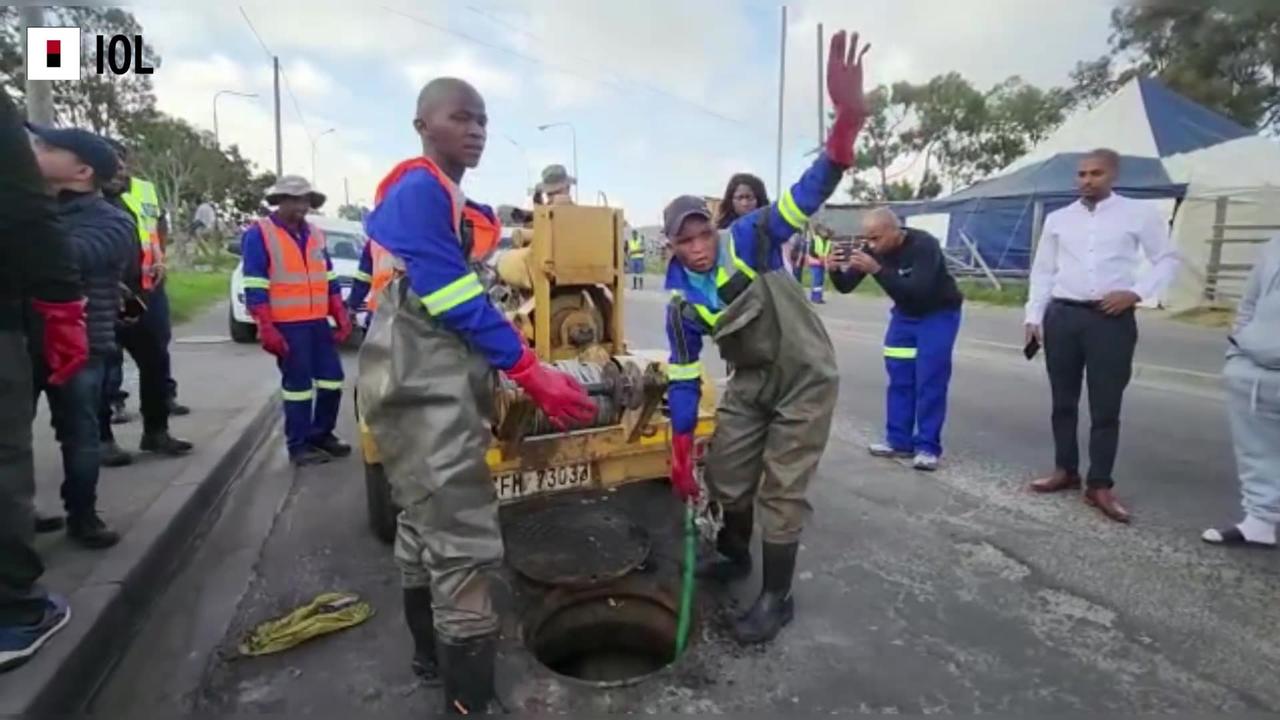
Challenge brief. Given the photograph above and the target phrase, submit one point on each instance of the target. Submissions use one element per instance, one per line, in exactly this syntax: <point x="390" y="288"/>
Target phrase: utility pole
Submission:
<point x="346" y="192"/>
<point x="275" y="61"/>
<point x="822" y="95"/>
<point x="39" y="92"/>
<point x="782" y="83"/>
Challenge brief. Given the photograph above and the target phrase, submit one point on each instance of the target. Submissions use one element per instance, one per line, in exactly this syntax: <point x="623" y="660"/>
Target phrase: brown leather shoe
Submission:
<point x="1057" y="482"/>
<point x="1105" y="501"/>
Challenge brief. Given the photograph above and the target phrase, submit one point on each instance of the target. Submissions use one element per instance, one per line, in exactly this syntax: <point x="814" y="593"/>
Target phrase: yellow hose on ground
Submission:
<point x="328" y="613"/>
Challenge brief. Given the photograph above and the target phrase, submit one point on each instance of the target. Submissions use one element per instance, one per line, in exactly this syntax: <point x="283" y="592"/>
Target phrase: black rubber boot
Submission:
<point x="775" y="607"/>
<point x="468" y="676"/>
<point x="733" y="545"/>
<point x="421" y="621"/>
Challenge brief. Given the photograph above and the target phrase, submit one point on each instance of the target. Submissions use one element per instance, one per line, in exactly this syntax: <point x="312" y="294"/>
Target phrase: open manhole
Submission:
<point x="605" y="639"/>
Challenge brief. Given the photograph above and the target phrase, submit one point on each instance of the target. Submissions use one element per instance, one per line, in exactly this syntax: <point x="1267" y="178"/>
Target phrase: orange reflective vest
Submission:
<point x="384" y="270"/>
<point x="477" y="233"/>
<point x="299" y="282"/>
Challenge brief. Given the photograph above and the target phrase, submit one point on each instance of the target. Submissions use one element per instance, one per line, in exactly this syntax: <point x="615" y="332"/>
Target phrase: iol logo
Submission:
<point x="53" y="53"/>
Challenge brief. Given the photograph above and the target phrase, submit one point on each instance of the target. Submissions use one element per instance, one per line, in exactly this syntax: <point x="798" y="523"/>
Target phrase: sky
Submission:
<point x="664" y="97"/>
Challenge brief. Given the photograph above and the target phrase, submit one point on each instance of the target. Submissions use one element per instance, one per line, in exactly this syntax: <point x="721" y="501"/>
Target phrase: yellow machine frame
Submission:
<point x="580" y="249"/>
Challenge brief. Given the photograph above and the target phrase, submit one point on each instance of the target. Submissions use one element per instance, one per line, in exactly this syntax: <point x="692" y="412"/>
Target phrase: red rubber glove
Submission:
<point x="844" y="85"/>
<point x="560" y="396"/>
<point x="338" y="311"/>
<point x="682" y="480"/>
<point x="268" y="334"/>
<point x="66" y="339"/>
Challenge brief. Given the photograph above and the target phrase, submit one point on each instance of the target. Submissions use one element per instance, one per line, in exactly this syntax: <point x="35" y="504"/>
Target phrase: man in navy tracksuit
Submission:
<point x="909" y="265"/>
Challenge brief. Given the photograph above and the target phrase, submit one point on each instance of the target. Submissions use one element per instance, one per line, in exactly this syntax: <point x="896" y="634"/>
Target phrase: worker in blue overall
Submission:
<point x="775" y="415"/>
<point x="909" y="265"/>
<point x="291" y="291"/>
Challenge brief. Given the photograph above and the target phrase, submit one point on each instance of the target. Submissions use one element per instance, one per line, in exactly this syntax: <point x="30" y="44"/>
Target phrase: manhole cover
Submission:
<point x="575" y="545"/>
<point x="202" y="340"/>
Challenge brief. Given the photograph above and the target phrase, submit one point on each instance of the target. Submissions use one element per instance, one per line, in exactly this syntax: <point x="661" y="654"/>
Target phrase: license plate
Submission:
<point x="515" y="485"/>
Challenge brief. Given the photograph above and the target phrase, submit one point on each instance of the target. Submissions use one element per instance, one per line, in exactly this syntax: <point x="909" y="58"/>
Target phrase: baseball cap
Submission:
<point x="92" y="149"/>
<point x="679" y="210"/>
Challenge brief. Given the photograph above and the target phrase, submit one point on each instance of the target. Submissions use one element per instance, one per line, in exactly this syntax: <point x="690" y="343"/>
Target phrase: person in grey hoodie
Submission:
<point x="1252" y="376"/>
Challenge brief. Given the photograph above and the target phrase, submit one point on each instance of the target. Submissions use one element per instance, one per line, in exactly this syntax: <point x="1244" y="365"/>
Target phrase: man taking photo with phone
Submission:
<point x="909" y="265"/>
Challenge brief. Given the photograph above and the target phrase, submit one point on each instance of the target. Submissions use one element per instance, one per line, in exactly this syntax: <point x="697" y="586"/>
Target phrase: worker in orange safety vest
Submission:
<point x="291" y="291"/>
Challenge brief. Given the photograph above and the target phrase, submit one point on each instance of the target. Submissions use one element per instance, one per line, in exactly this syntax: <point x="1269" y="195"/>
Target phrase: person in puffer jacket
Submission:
<point x="75" y="163"/>
<point x="1252" y="377"/>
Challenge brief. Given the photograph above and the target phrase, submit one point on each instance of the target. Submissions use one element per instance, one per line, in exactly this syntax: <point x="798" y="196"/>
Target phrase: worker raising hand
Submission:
<point x="844" y="85"/>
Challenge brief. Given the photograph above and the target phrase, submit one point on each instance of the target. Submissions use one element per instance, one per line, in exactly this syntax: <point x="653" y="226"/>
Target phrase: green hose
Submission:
<point x="686" y="588"/>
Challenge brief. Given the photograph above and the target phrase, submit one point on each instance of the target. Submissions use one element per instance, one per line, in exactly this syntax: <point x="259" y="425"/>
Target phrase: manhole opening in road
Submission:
<point x="605" y="639"/>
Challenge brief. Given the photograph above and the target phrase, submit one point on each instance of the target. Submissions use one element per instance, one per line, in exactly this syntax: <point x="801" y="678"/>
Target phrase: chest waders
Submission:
<point x="426" y="397"/>
<point x="772" y="426"/>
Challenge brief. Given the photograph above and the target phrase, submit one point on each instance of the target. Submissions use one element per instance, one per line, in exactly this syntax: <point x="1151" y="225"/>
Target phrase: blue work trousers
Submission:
<point x="917" y="356"/>
<point x="817" y="278"/>
<point x="311" y="382"/>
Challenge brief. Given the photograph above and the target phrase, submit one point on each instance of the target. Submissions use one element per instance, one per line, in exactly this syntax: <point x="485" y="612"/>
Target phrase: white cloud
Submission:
<point x="308" y="81"/>
<point x="640" y="81"/>
<point x="490" y="80"/>
<point x="187" y="93"/>
<point x="562" y="91"/>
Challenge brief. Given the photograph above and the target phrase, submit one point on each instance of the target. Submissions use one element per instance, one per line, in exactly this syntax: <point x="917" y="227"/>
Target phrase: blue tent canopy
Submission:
<point x="1144" y="121"/>
<point x="997" y="214"/>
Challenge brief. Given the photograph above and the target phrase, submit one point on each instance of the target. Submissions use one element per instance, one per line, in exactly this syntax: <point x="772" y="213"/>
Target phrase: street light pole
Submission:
<point x="313" y="153"/>
<point x="39" y="92"/>
<point x="215" y="109"/>
<point x="573" y="133"/>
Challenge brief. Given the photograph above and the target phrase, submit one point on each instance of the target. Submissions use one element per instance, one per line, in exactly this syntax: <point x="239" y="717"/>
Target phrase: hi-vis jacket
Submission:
<point x="424" y="221"/>
<point x="740" y="261"/>
<point x="289" y="271"/>
<point x="144" y="203"/>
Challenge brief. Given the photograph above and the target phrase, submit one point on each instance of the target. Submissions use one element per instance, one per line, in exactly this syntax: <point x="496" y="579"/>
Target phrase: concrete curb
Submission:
<point x="107" y="608"/>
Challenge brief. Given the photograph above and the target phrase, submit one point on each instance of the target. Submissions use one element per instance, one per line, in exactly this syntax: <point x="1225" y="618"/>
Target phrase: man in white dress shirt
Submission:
<point x="1080" y="306"/>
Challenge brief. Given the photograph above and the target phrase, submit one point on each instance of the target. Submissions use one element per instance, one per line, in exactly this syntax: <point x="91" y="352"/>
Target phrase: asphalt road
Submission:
<point x="953" y="592"/>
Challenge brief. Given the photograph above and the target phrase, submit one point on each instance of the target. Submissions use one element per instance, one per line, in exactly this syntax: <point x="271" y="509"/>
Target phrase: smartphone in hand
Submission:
<point x="1032" y="347"/>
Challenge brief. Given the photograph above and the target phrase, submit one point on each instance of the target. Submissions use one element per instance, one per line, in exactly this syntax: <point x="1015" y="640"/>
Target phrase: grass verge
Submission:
<point x="191" y="291"/>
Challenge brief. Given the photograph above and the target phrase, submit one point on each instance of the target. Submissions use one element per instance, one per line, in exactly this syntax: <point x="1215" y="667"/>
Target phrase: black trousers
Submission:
<point x="1080" y="342"/>
<point x="150" y="353"/>
<point x="22" y="602"/>
<point x="158" y="321"/>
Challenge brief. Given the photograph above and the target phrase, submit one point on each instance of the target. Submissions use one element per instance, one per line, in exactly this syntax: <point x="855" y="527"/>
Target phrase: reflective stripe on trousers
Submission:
<point x="917" y="359"/>
<point x="310" y="382"/>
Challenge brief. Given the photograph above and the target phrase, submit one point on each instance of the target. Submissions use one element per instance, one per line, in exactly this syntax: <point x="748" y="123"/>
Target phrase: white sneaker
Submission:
<point x="925" y="461"/>
<point x="885" y="450"/>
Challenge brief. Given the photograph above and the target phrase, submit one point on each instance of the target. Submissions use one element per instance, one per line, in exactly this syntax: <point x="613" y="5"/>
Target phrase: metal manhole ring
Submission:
<point x="574" y="545"/>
